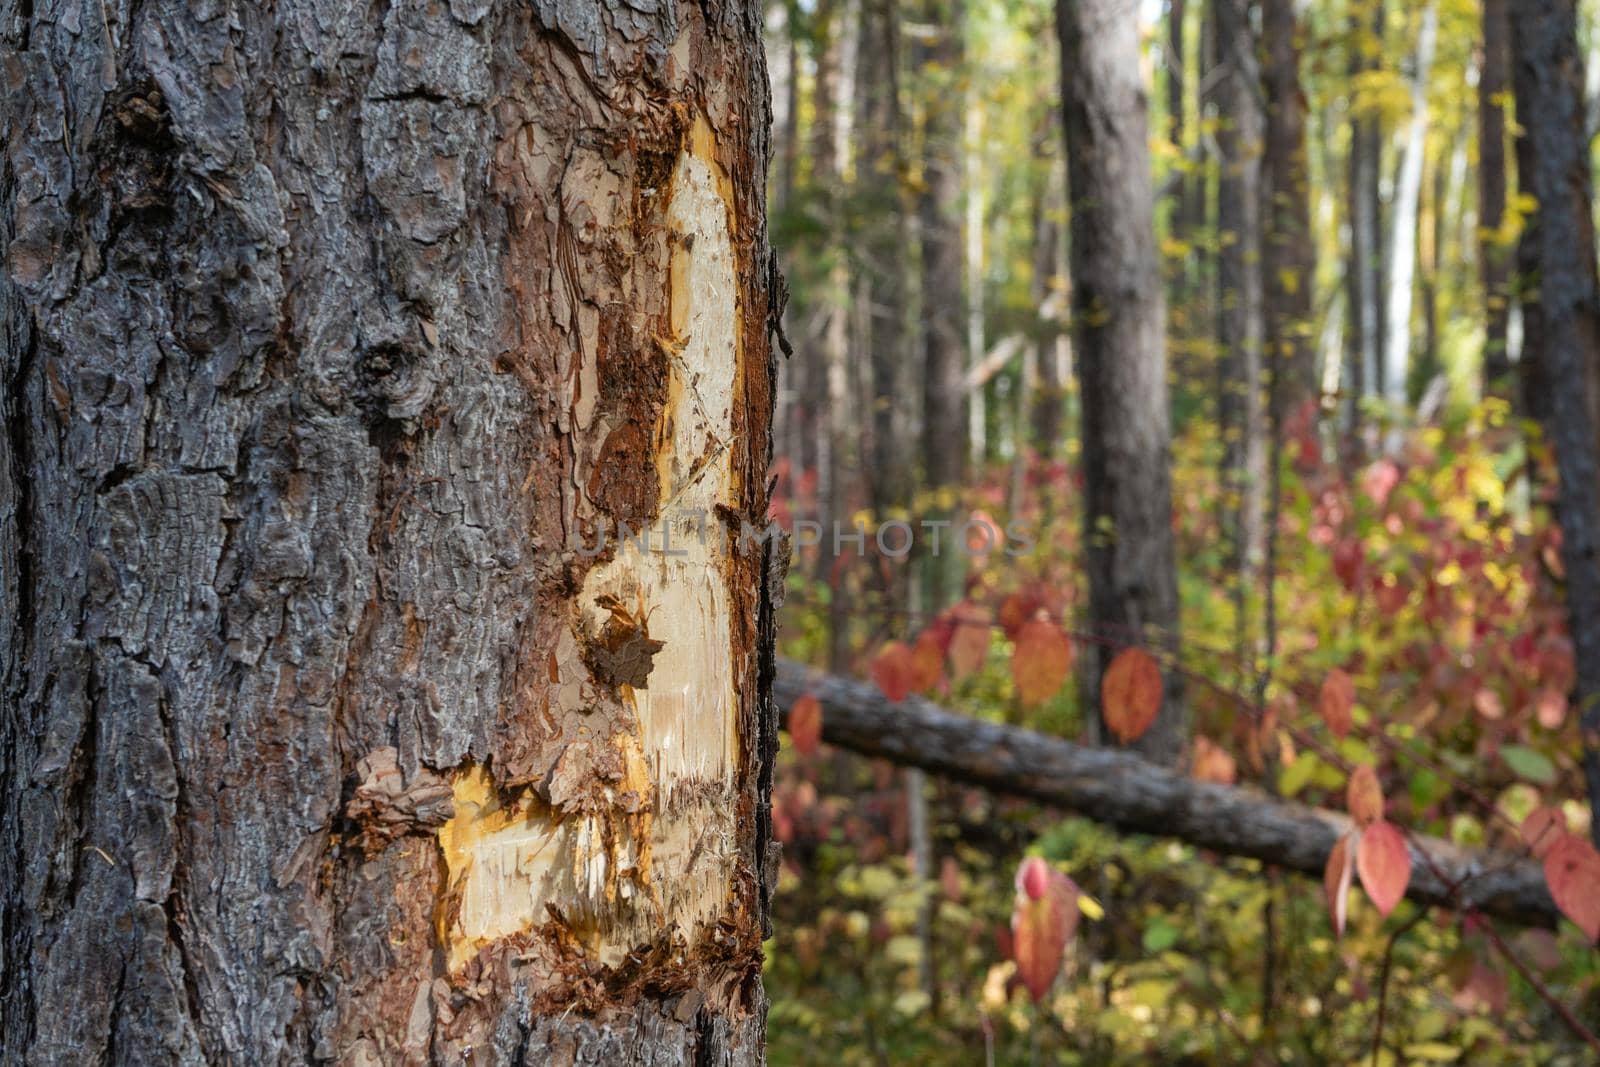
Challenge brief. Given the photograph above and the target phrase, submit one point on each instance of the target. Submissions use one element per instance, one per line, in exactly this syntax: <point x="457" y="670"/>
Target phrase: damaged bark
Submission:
<point x="334" y="337"/>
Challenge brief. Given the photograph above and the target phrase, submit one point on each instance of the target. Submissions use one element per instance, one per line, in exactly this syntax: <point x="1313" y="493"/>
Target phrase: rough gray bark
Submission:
<point x="1120" y="345"/>
<point x="1288" y="252"/>
<point x="331" y="333"/>
<point x="1126" y="792"/>
<point x="1494" y="258"/>
<point x="1561" y="321"/>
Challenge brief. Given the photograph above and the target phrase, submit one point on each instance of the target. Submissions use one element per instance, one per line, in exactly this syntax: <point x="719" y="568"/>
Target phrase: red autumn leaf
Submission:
<point x="1212" y="763"/>
<point x="1384" y="864"/>
<point x="1572" y="868"/>
<point x="1130" y="694"/>
<point x="1043" y="920"/>
<point x="1004" y="943"/>
<point x="1033" y="877"/>
<point x="1484" y="989"/>
<point x="927" y="661"/>
<point x="1551" y="555"/>
<point x="1540" y="948"/>
<point x="1489" y="704"/>
<point x="893" y="671"/>
<point x="805" y="724"/>
<point x="1542" y="829"/>
<point x="1336" y="700"/>
<point x="1347" y="561"/>
<point x="1363" y="797"/>
<point x="1552" y="708"/>
<point x="1041" y="662"/>
<point x="1019" y="609"/>
<point x="782" y="823"/>
<point x="941" y="627"/>
<point x="1336" y="882"/>
<point x="983" y="535"/>
<point x="969" y="645"/>
<point x="1390" y="593"/>
<point x="1379" y="480"/>
<point x="950" y="879"/>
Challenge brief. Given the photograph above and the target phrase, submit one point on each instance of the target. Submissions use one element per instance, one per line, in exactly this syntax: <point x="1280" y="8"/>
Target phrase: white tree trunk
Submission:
<point x="1403" y="250"/>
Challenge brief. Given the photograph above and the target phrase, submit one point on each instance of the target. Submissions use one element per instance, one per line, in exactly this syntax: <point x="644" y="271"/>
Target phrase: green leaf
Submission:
<point x="1357" y="752"/>
<point x="1529" y="764"/>
<point x="1298" y="774"/>
<point x="1426" y="789"/>
<point x="1159" y="936"/>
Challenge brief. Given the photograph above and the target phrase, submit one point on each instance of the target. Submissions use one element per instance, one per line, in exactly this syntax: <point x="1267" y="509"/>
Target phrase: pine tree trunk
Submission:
<point x="939" y="212"/>
<point x="1561" y="319"/>
<point x="1120" y="323"/>
<point x="881" y="170"/>
<point x="1172" y="63"/>
<point x="1365" y="206"/>
<point x="834" y="130"/>
<point x="1288" y="252"/>
<point x="1493" y="255"/>
<point x="1044" y="410"/>
<point x="1240" y="415"/>
<point x="334" y="340"/>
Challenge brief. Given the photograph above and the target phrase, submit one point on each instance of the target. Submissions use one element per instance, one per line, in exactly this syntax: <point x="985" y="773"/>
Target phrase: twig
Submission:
<point x="1383" y="978"/>
<point x="1573" y="1023"/>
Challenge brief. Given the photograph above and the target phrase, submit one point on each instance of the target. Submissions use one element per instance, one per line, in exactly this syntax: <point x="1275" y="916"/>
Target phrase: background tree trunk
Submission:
<point x="1050" y="282"/>
<point x="943" y="310"/>
<point x="333" y="340"/>
<point x="883" y="283"/>
<point x="1289" y="254"/>
<point x="1403" y="234"/>
<point x="1119" y="324"/>
<point x="1365" y="210"/>
<point x="1240" y="415"/>
<point x="836" y="70"/>
<point x="1179" y="196"/>
<point x="1494" y="258"/>
<point x="1561" y="320"/>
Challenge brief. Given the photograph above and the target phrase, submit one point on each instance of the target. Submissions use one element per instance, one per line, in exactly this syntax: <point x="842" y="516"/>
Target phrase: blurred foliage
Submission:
<point x="1432" y="578"/>
<point x="1429" y="581"/>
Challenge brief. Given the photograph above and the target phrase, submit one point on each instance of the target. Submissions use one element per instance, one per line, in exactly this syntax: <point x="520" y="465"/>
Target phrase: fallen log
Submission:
<point x="1125" y="792"/>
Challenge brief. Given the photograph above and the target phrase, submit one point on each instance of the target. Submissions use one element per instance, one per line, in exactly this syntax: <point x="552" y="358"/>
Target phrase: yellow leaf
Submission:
<point x="1433" y="1052"/>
